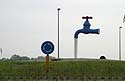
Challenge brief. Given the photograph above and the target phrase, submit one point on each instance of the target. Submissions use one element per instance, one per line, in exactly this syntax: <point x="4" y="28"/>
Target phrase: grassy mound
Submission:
<point x="63" y="68"/>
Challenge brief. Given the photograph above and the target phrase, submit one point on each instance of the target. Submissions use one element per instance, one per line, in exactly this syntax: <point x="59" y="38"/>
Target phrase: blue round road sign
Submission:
<point x="47" y="47"/>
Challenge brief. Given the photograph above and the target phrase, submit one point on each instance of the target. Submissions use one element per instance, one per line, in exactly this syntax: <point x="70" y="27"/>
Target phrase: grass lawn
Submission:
<point x="63" y="68"/>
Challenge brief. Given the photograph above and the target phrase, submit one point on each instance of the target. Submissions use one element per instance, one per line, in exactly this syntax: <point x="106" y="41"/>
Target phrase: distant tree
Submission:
<point x="25" y="58"/>
<point x="32" y="58"/>
<point x="102" y="57"/>
<point x="15" y="57"/>
<point x="4" y="59"/>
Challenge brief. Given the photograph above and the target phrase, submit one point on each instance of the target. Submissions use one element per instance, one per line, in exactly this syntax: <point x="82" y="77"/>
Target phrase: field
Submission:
<point x="63" y="68"/>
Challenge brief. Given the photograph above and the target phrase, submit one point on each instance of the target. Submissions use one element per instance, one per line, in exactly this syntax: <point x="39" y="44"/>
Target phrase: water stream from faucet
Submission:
<point x="75" y="47"/>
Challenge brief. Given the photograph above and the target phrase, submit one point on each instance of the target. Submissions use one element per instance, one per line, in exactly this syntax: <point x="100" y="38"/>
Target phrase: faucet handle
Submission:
<point x="87" y="17"/>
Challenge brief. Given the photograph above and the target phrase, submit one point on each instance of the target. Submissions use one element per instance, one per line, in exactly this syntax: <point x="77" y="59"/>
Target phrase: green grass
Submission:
<point x="63" y="68"/>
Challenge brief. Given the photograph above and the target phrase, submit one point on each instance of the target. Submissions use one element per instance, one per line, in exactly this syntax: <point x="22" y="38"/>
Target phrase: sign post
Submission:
<point x="47" y="48"/>
<point x="47" y="63"/>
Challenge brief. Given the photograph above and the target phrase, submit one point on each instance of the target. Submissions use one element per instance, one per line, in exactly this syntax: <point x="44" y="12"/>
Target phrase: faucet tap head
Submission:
<point x="87" y="17"/>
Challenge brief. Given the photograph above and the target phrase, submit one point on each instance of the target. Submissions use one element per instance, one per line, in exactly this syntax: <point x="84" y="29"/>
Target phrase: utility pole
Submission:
<point x="120" y="43"/>
<point x="58" y="9"/>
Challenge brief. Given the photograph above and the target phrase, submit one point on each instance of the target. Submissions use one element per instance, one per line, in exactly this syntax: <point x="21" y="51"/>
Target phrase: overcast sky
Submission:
<point x="26" y="24"/>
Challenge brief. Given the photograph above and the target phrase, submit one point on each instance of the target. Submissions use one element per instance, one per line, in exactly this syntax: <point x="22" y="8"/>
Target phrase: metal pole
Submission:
<point x="47" y="63"/>
<point x="58" y="31"/>
<point x="120" y="43"/>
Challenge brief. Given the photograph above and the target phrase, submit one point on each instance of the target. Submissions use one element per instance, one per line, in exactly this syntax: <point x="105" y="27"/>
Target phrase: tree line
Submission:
<point x="25" y="58"/>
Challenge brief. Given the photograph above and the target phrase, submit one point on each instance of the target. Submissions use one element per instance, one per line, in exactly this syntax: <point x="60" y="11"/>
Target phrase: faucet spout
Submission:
<point x="77" y="33"/>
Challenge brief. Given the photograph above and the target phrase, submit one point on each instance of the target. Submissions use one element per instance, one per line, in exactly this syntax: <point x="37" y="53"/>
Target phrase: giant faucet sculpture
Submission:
<point x="86" y="30"/>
